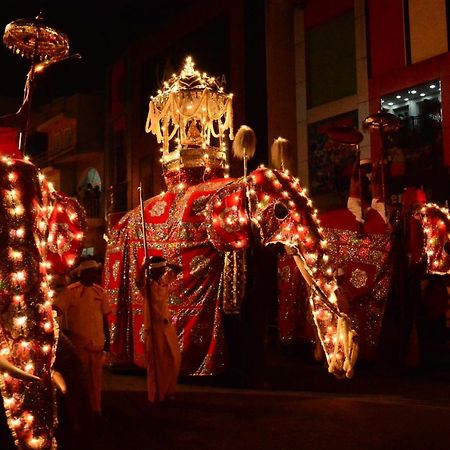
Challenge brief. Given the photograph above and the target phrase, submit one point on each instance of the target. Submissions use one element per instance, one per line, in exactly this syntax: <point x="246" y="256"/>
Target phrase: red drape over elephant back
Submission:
<point x="363" y="257"/>
<point x="176" y="229"/>
<point x="368" y="271"/>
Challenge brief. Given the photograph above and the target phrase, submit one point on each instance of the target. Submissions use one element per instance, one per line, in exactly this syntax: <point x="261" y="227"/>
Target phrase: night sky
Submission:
<point x="99" y="30"/>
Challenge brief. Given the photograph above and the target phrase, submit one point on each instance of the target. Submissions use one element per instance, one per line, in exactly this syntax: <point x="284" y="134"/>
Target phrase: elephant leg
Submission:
<point x="6" y="440"/>
<point x="74" y="410"/>
<point x="262" y="294"/>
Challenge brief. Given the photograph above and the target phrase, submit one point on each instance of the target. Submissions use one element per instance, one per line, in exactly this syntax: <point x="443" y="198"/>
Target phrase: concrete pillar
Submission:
<point x="281" y="104"/>
<point x="300" y="96"/>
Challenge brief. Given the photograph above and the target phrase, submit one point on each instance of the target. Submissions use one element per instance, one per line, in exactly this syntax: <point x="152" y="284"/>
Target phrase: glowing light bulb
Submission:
<point x="15" y="255"/>
<point x="46" y="348"/>
<point x="12" y="176"/>
<point x="36" y="442"/>
<point x="19" y="276"/>
<point x="20" y="321"/>
<point x="16" y="423"/>
<point x="17" y="210"/>
<point x="9" y="402"/>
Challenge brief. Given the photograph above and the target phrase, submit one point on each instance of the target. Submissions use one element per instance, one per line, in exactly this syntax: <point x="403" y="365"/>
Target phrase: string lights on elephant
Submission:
<point x="436" y="223"/>
<point x="30" y="209"/>
<point x="206" y="223"/>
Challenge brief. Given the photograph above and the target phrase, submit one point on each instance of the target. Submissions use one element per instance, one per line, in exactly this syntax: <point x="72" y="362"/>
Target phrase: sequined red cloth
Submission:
<point x="363" y="260"/>
<point x="176" y="229"/>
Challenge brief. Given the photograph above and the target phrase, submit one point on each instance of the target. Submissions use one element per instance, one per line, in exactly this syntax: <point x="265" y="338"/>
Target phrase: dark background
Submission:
<point x="99" y="30"/>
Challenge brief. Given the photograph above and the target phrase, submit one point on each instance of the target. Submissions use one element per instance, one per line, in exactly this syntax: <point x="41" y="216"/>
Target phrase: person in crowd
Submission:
<point x="161" y="341"/>
<point x="365" y="199"/>
<point x="84" y="307"/>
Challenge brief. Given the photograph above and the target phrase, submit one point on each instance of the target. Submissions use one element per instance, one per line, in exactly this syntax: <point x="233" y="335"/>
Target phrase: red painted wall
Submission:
<point x="387" y="37"/>
<point x="318" y="11"/>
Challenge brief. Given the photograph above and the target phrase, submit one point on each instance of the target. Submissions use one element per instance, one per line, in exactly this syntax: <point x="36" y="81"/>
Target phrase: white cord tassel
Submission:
<point x="278" y="152"/>
<point x="347" y="338"/>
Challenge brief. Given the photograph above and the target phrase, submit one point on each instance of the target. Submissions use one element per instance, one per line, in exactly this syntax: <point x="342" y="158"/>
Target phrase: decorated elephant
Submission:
<point x="212" y="227"/>
<point x="208" y="228"/>
<point x="41" y="232"/>
<point x="382" y="267"/>
<point x="41" y="235"/>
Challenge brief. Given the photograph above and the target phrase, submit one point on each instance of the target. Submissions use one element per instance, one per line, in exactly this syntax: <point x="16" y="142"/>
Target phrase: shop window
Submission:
<point x="330" y="163"/>
<point x="87" y="251"/>
<point x="414" y="150"/>
<point x="89" y="192"/>
<point x="331" y="60"/>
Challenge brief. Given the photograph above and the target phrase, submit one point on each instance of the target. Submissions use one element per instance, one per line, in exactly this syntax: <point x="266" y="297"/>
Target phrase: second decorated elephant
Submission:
<point x="209" y="229"/>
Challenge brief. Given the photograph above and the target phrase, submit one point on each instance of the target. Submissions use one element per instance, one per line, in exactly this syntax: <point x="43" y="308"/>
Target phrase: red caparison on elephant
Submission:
<point x="213" y="227"/>
<point x="41" y="232"/>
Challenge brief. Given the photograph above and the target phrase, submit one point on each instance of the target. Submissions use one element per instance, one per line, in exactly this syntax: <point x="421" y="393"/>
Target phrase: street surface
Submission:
<point x="300" y="408"/>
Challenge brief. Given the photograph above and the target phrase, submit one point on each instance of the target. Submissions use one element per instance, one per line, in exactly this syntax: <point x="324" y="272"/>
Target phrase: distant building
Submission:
<point x="296" y="68"/>
<point x="67" y="143"/>
<point x="354" y="58"/>
<point x="8" y="105"/>
<point x="225" y="39"/>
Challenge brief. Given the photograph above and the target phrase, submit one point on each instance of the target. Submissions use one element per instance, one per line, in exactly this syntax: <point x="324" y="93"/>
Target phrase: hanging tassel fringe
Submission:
<point x="244" y="144"/>
<point x="347" y="339"/>
<point x="278" y="152"/>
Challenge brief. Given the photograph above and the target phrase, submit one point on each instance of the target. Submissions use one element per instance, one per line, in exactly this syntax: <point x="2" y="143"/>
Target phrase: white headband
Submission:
<point x="158" y="265"/>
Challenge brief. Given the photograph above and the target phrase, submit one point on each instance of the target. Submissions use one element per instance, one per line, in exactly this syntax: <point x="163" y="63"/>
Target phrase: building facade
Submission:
<point x="297" y="68"/>
<point x="67" y="142"/>
<point x="225" y="39"/>
<point x="355" y="58"/>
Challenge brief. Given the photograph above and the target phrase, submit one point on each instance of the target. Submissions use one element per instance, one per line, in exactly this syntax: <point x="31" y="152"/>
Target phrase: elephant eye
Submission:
<point x="280" y="210"/>
<point x="447" y="247"/>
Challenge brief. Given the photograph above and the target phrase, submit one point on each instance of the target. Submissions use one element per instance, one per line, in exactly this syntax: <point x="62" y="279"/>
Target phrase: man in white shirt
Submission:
<point x="85" y="307"/>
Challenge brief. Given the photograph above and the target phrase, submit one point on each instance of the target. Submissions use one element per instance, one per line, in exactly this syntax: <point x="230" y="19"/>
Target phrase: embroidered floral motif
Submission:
<point x="358" y="278"/>
<point x="199" y="266"/>
<point x="112" y="333"/>
<point x="142" y="334"/>
<point x="158" y="208"/>
<point x="115" y="269"/>
<point x="229" y="219"/>
<point x="64" y="241"/>
<point x="198" y="205"/>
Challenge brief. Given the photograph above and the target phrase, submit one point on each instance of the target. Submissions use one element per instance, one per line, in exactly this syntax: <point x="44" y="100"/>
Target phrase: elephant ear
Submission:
<point x="227" y="218"/>
<point x="435" y="221"/>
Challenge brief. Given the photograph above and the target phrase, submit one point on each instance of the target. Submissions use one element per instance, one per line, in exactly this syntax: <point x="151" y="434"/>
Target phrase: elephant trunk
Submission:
<point x="339" y="341"/>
